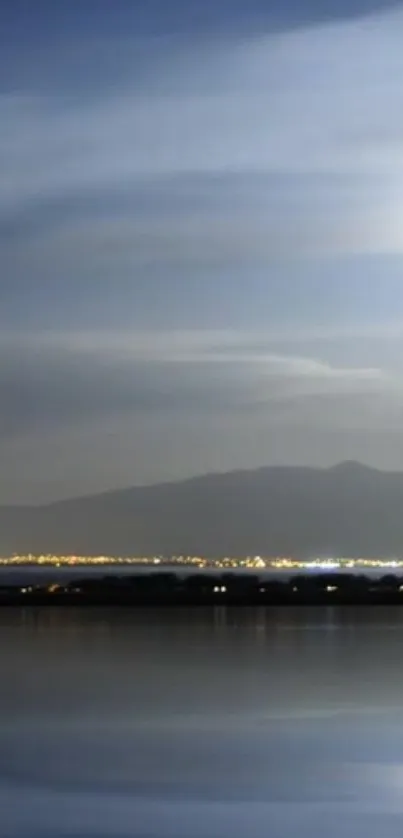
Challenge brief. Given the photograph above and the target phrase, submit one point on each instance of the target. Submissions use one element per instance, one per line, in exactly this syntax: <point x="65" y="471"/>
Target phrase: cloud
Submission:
<point x="180" y="346"/>
<point x="233" y="113"/>
<point x="55" y="380"/>
<point x="270" y="145"/>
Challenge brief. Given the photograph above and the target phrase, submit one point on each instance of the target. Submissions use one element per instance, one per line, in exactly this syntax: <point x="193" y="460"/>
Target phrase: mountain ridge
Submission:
<point x="343" y="466"/>
<point x="347" y="509"/>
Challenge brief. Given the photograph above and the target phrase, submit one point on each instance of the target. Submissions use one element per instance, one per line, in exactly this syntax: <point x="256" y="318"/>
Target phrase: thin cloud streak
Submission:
<point x="60" y="381"/>
<point x="222" y="347"/>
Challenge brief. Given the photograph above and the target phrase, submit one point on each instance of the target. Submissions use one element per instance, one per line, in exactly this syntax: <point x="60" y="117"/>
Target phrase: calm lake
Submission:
<point x="42" y="574"/>
<point x="201" y="724"/>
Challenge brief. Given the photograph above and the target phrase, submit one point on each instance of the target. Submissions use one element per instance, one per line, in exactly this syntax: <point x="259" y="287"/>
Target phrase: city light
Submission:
<point x="200" y="562"/>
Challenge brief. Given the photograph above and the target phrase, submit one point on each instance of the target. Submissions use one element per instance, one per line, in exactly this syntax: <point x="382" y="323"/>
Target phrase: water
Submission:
<point x="192" y="724"/>
<point x="43" y="574"/>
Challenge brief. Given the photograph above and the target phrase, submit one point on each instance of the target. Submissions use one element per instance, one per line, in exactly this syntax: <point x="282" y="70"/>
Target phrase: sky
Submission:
<point x="201" y="239"/>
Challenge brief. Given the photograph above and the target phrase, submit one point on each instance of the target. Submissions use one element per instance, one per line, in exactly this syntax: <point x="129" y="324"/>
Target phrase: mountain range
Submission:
<point x="349" y="510"/>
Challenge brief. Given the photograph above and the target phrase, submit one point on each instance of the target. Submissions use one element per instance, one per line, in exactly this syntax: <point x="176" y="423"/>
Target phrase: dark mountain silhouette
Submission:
<point x="349" y="509"/>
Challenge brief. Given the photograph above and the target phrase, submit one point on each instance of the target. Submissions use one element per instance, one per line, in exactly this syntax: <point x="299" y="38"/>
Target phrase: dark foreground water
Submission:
<point x="202" y="724"/>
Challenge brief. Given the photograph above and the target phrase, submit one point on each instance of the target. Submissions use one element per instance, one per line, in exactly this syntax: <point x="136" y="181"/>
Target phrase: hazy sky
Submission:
<point x="201" y="239"/>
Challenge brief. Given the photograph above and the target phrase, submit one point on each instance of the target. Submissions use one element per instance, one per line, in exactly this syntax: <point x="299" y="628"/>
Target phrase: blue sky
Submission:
<point x="201" y="239"/>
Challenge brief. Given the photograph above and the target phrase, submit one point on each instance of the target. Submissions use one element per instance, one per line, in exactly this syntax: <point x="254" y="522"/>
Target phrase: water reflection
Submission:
<point x="202" y="722"/>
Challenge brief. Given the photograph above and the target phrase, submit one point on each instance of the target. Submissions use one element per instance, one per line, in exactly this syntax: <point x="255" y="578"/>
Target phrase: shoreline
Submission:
<point x="171" y="590"/>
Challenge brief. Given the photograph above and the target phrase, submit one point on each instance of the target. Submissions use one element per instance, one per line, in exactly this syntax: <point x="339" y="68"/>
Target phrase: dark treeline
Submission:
<point x="170" y="589"/>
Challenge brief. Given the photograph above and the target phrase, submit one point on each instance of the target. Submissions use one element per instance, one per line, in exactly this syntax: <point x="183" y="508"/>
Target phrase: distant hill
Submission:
<point x="349" y="509"/>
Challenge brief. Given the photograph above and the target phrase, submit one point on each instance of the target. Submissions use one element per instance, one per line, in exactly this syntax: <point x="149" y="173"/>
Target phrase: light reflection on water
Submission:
<point x="206" y="722"/>
<point x="42" y="574"/>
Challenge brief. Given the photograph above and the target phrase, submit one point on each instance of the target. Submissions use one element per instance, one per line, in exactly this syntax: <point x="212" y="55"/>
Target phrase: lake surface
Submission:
<point x="208" y="723"/>
<point x="43" y="574"/>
